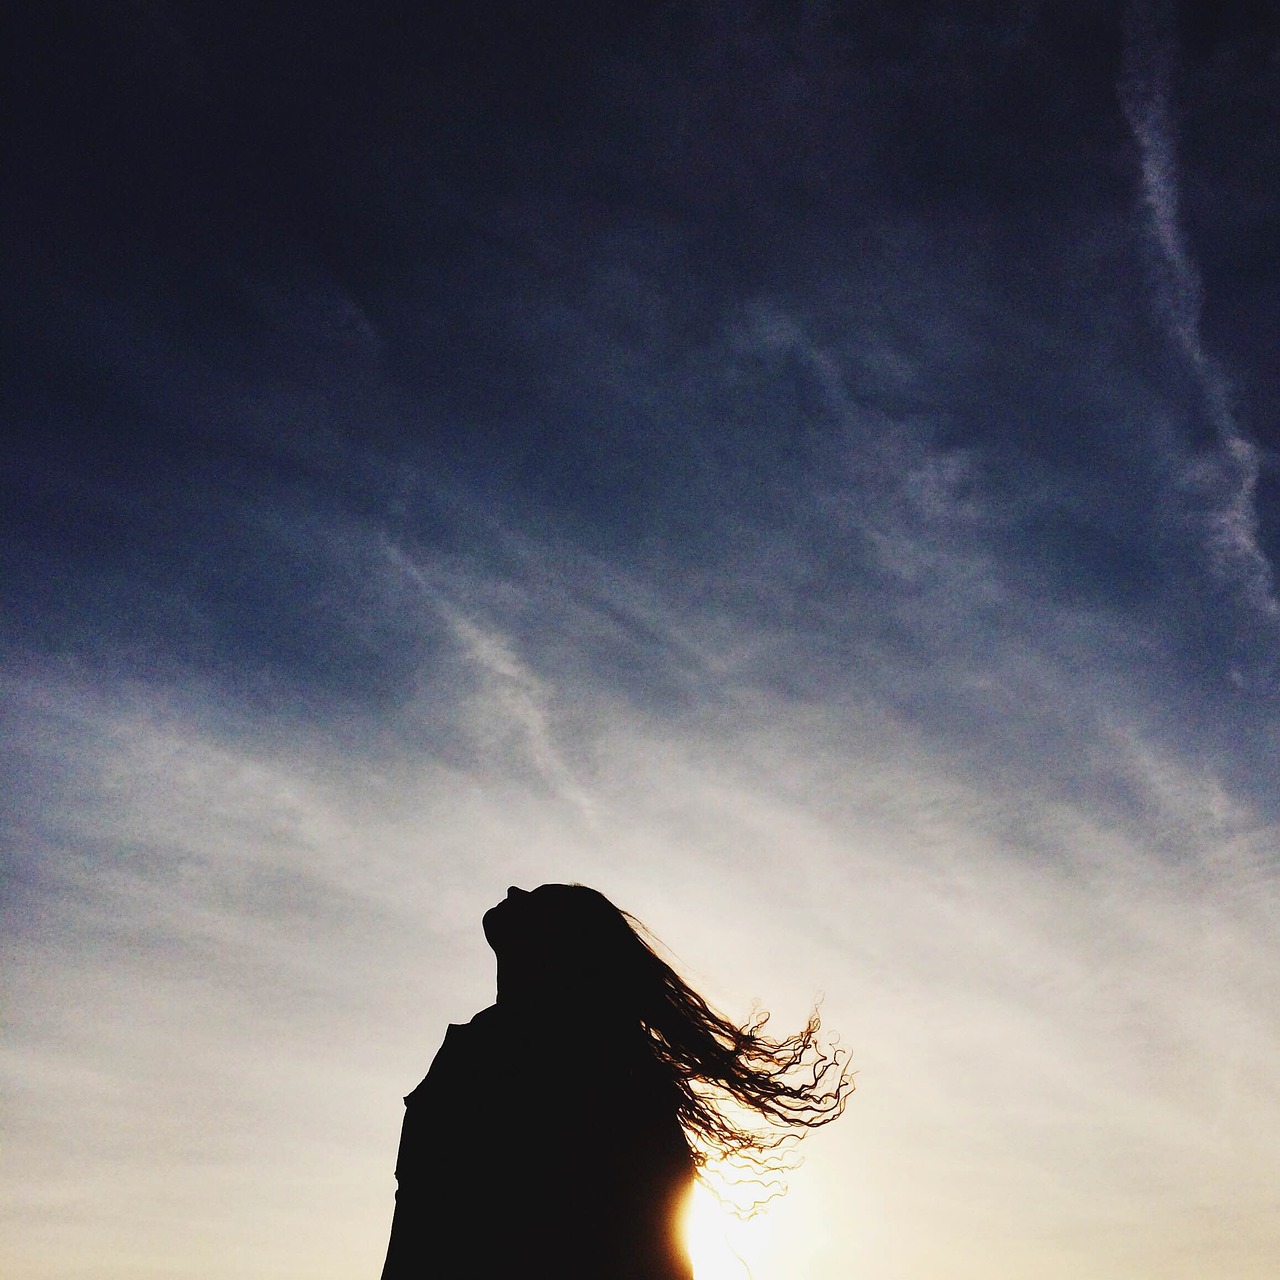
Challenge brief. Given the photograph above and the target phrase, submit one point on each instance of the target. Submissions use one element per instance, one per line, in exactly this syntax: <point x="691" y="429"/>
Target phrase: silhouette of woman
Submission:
<point x="558" y="1132"/>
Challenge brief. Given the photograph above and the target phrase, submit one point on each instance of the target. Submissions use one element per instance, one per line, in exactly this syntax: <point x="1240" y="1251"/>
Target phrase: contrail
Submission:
<point x="520" y="697"/>
<point x="1230" y="480"/>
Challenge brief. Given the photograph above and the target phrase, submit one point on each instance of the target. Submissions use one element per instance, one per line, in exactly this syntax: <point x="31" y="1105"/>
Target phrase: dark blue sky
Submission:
<point x="366" y="266"/>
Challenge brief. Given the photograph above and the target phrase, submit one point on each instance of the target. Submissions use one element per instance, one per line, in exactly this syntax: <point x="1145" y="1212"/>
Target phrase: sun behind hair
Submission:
<point x="780" y="1086"/>
<point x="742" y="1095"/>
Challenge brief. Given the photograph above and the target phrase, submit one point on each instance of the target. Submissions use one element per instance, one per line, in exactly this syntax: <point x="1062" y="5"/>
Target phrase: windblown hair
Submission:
<point x="742" y="1093"/>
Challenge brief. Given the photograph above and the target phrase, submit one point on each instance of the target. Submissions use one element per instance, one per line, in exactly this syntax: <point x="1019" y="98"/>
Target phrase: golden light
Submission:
<point x="716" y="1239"/>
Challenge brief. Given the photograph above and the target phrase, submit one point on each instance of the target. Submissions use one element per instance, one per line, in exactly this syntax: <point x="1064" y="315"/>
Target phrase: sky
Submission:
<point x="808" y="470"/>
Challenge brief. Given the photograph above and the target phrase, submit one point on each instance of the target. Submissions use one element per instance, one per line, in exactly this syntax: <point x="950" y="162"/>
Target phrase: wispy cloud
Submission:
<point x="1227" y="481"/>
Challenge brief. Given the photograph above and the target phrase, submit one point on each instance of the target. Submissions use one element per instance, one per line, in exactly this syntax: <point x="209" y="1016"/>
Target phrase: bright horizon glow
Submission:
<point x="721" y="1246"/>
<point x="935" y="973"/>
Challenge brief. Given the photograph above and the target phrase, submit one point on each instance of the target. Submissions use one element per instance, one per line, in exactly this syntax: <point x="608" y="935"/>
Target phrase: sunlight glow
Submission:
<point x="714" y="1238"/>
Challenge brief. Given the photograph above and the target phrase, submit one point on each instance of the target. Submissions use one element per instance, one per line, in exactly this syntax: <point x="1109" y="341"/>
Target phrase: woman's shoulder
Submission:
<point x="465" y="1049"/>
<point x="486" y="1024"/>
<point x="487" y="1020"/>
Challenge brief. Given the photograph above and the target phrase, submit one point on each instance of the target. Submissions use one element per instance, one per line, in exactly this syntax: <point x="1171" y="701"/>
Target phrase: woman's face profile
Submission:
<point x="506" y="919"/>
<point x="524" y="919"/>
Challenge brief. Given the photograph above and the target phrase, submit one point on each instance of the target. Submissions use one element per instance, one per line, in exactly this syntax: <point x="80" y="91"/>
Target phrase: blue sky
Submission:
<point x="807" y="471"/>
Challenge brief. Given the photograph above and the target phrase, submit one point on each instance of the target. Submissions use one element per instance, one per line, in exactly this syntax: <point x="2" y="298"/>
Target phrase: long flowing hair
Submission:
<point x="742" y="1093"/>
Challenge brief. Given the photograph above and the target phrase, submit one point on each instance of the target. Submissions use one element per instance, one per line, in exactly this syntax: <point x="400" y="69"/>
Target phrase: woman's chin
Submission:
<point x="491" y="923"/>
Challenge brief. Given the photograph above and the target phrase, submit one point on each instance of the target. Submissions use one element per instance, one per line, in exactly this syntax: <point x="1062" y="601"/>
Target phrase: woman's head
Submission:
<point x="554" y="917"/>
<point x="566" y="947"/>
<point x="564" y="942"/>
